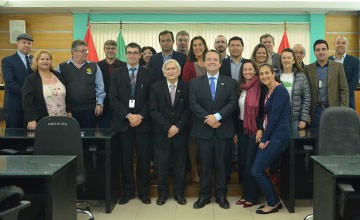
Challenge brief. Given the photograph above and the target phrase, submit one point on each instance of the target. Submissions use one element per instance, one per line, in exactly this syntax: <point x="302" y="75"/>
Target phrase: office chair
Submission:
<point x="339" y="134"/>
<point x="12" y="213"/>
<point x="61" y="135"/>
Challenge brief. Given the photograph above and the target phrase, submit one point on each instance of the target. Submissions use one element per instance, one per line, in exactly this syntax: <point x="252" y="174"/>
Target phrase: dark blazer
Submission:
<point x="225" y="68"/>
<point x="275" y="60"/>
<point x="201" y="105"/>
<point x="33" y="101"/>
<point x="351" y="68"/>
<point x="156" y="63"/>
<point x="120" y="94"/>
<point x="164" y="114"/>
<point x="14" y="73"/>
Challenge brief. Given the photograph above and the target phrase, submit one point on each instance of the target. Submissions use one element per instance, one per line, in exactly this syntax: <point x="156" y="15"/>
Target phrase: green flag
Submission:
<point x="121" y="48"/>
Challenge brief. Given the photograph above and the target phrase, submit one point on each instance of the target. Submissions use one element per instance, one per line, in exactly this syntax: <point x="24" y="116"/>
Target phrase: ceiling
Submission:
<point x="178" y="6"/>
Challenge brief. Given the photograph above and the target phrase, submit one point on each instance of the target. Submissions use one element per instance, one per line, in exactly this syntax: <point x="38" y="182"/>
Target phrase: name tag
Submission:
<point x="131" y="103"/>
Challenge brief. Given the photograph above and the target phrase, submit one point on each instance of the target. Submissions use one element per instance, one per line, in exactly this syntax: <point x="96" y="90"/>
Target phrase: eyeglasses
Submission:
<point x="132" y="53"/>
<point x="110" y="48"/>
<point x="83" y="51"/>
<point x="299" y="53"/>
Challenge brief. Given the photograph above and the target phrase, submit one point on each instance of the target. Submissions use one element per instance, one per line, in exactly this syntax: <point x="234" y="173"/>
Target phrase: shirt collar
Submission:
<point x="22" y="56"/>
<point x="343" y="56"/>
<point x="129" y="67"/>
<point x="216" y="75"/>
<point x="168" y="83"/>
<point x="317" y="64"/>
<point x="72" y="61"/>
<point x="231" y="60"/>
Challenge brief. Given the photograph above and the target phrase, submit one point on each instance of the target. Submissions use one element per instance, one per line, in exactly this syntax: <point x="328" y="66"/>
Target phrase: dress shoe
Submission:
<point x="180" y="199"/>
<point x="201" y="203"/>
<point x="161" y="200"/>
<point x="273" y="210"/>
<point x="248" y="204"/>
<point x="223" y="203"/>
<point x="145" y="200"/>
<point x="279" y="206"/>
<point x="125" y="199"/>
<point x="240" y="202"/>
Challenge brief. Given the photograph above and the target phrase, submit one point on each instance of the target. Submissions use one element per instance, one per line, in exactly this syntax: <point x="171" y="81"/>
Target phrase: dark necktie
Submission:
<point x="132" y="81"/>
<point x="172" y="93"/>
<point x="28" y="67"/>
<point x="212" y="87"/>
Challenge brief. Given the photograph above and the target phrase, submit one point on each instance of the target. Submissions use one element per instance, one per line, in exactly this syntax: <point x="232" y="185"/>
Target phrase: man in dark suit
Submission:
<point x="212" y="101"/>
<point x="166" y="40"/>
<point x="231" y="66"/>
<point x="129" y="98"/>
<point x="351" y="66"/>
<point x="15" y="69"/>
<point x="269" y="42"/>
<point x="107" y="66"/>
<point x="169" y="109"/>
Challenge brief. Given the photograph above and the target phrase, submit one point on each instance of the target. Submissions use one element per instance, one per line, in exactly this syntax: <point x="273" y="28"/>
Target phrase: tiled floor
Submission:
<point x="135" y="210"/>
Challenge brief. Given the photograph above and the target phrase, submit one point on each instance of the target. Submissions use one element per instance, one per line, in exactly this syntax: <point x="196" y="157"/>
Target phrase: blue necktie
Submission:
<point x="132" y="81"/>
<point x="212" y="87"/>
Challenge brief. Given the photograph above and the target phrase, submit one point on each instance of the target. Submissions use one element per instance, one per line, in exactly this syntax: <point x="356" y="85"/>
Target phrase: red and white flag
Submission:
<point x="284" y="43"/>
<point x="92" y="55"/>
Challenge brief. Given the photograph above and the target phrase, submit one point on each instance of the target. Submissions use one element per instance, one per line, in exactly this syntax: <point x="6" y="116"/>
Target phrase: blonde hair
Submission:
<point x="36" y="57"/>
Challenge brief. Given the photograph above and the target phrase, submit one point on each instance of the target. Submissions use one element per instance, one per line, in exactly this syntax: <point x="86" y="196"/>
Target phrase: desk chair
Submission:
<point x="12" y="213"/>
<point x="60" y="135"/>
<point x="339" y="134"/>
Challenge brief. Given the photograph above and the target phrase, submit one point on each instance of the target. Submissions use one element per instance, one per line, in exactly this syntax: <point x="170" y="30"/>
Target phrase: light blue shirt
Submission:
<point x="99" y="82"/>
<point x="22" y="56"/>
<point x="235" y="69"/>
<point x="135" y="72"/>
<point x="216" y="76"/>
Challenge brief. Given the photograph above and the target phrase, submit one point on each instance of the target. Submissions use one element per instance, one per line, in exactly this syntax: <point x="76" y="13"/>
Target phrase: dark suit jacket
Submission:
<point x="201" y="105"/>
<point x="275" y="60"/>
<point x="14" y="73"/>
<point x="33" y="101"/>
<point x="225" y="68"/>
<point x="351" y="68"/>
<point x="338" y="93"/>
<point x="164" y="114"/>
<point x="120" y="94"/>
<point x="156" y="63"/>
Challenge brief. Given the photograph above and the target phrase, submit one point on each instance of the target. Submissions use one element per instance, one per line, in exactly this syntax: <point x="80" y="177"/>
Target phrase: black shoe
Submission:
<point x="145" y="199"/>
<point x="180" y="199"/>
<point x="201" y="202"/>
<point x="161" y="200"/>
<point x="125" y="199"/>
<point x="279" y="206"/>
<point x="223" y="203"/>
<point x="273" y="210"/>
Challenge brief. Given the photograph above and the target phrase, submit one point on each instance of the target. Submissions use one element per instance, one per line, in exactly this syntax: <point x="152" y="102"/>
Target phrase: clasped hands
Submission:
<point x="134" y="119"/>
<point x="212" y="121"/>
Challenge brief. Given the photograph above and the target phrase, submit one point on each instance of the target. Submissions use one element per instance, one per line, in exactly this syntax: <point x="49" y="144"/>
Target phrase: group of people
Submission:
<point x="199" y="102"/>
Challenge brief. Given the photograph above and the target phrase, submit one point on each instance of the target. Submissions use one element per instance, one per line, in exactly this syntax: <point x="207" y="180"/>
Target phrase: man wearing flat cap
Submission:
<point x="15" y="69"/>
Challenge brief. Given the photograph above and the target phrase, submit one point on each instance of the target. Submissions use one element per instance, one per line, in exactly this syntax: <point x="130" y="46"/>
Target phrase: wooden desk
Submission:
<point x="288" y="167"/>
<point x="53" y="178"/>
<point x="103" y="183"/>
<point x="328" y="171"/>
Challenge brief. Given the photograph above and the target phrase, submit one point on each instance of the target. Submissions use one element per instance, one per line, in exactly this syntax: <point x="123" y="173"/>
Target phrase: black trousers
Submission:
<point x="213" y="154"/>
<point x="169" y="157"/>
<point x="140" y="141"/>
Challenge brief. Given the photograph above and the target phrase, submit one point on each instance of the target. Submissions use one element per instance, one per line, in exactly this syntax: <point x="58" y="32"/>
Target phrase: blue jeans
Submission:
<point x="263" y="159"/>
<point x="247" y="149"/>
<point x="316" y="119"/>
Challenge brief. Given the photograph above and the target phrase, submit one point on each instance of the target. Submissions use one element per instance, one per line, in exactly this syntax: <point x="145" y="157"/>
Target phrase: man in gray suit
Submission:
<point x="212" y="101"/>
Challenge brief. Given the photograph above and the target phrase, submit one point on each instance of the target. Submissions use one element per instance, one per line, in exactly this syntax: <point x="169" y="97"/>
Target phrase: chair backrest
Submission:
<point x="60" y="135"/>
<point x="339" y="132"/>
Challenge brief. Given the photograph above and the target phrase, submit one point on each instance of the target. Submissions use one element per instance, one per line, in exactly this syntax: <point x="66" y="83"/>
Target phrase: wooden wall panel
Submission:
<point x="352" y="39"/>
<point x="50" y="31"/>
<point x="342" y="23"/>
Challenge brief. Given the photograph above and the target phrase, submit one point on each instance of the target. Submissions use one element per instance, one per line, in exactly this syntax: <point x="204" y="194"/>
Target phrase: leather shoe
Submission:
<point x="145" y="200"/>
<point x="223" y="203"/>
<point x="248" y="204"/>
<point x="180" y="199"/>
<point x="273" y="210"/>
<point x="161" y="200"/>
<point x="240" y="202"/>
<point x="279" y="206"/>
<point x="125" y="199"/>
<point x="200" y="203"/>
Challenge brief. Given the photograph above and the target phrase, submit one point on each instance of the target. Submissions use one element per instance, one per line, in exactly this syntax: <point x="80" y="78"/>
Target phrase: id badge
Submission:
<point x="320" y="84"/>
<point x="131" y="103"/>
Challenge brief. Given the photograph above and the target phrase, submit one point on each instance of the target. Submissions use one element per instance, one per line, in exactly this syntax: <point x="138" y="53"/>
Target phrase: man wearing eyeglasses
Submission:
<point x="300" y="53"/>
<point x="166" y="40"/>
<point x="107" y="67"/>
<point x="129" y="99"/>
<point x="84" y="85"/>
